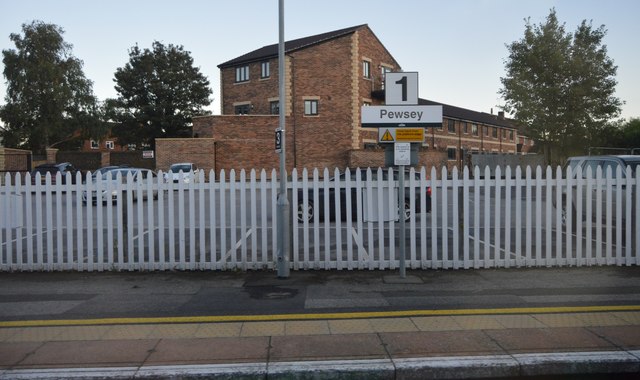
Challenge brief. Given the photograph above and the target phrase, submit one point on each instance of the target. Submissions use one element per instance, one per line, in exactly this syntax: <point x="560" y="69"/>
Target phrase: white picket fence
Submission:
<point x="228" y="221"/>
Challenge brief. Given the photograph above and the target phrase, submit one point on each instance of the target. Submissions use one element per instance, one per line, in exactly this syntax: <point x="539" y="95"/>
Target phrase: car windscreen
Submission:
<point x="178" y="168"/>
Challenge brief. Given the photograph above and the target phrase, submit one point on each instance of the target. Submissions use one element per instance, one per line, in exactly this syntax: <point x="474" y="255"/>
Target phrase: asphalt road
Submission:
<point x="70" y="295"/>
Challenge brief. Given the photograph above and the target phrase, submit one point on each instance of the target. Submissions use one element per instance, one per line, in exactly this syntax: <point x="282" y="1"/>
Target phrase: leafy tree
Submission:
<point x="159" y="92"/>
<point x="560" y="85"/>
<point x="631" y="133"/>
<point x="49" y="102"/>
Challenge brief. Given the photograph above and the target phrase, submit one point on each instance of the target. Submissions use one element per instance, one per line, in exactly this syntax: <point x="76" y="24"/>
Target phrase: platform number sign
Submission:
<point x="401" y="88"/>
<point x="278" y="140"/>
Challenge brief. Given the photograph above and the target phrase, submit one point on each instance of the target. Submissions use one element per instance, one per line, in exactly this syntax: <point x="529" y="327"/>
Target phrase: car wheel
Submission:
<point x="407" y="210"/>
<point x="305" y="212"/>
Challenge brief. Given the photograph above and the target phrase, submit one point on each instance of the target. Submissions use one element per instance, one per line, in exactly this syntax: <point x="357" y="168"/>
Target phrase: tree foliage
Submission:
<point x="560" y="85"/>
<point x="159" y="92"/>
<point x="49" y="101"/>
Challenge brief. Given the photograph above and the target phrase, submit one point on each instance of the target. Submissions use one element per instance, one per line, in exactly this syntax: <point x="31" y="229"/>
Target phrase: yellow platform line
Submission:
<point x="315" y="316"/>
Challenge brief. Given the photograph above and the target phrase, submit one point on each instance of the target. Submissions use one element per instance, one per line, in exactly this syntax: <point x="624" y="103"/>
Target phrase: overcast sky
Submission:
<point x="456" y="46"/>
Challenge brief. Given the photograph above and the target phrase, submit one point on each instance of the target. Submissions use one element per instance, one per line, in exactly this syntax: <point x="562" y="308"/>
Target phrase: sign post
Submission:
<point x="401" y="122"/>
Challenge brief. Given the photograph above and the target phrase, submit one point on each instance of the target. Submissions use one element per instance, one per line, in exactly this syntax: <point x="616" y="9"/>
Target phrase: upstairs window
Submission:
<point x="95" y="144"/>
<point x="474" y="129"/>
<point x="366" y="69"/>
<point x="109" y="144"/>
<point x="494" y="133"/>
<point x="310" y="107"/>
<point x="451" y="154"/>
<point x="383" y="73"/>
<point x="242" y="74"/>
<point x="265" y="71"/>
<point x="451" y="125"/>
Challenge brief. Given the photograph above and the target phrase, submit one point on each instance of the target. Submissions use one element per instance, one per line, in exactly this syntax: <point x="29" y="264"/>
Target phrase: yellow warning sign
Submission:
<point x="410" y="134"/>
<point x="387" y="137"/>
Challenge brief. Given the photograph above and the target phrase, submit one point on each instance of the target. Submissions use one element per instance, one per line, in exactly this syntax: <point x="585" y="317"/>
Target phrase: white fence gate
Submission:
<point x="515" y="219"/>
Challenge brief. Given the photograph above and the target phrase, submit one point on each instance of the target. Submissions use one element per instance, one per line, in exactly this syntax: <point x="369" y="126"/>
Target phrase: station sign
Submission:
<point x="401" y="116"/>
<point x="401" y="88"/>
<point x="400" y="135"/>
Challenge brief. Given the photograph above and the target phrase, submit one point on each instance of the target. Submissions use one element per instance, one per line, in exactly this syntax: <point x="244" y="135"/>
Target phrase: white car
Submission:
<point x="141" y="177"/>
<point x="185" y="172"/>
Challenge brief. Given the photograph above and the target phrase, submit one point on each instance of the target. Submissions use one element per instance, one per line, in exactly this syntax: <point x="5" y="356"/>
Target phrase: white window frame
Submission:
<point x="265" y="70"/>
<point x="311" y="107"/>
<point x="109" y="144"/>
<point x="95" y="144"/>
<point x="242" y="74"/>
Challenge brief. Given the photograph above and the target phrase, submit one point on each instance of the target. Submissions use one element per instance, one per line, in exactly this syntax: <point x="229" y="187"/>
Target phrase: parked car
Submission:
<point x="62" y="168"/>
<point x="185" y="172"/>
<point x="140" y="177"/>
<point x="99" y="172"/>
<point x="307" y="212"/>
<point x="593" y="162"/>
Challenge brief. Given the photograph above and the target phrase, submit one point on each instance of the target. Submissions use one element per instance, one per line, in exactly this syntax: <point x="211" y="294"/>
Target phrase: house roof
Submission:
<point x="469" y="115"/>
<point x="271" y="51"/>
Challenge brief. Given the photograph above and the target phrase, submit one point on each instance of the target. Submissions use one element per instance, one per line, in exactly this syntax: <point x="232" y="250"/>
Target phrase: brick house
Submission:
<point x="328" y="78"/>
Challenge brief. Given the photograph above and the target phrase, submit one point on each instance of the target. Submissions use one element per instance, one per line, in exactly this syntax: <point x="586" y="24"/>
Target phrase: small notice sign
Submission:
<point x="402" y="154"/>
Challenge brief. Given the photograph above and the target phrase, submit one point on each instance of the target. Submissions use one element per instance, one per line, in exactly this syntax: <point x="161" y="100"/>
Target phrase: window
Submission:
<point x="511" y="135"/>
<point x="504" y="134"/>
<point x="94" y="144"/>
<point x="242" y="74"/>
<point x="109" y="144"/>
<point x="383" y="71"/>
<point x="494" y="133"/>
<point x="264" y="70"/>
<point x="274" y="107"/>
<point x="474" y="129"/>
<point x="465" y="127"/>
<point x="310" y="107"/>
<point x="366" y="69"/>
<point x="451" y="154"/>
<point x="242" y="109"/>
<point x="451" y="125"/>
<point x="486" y="131"/>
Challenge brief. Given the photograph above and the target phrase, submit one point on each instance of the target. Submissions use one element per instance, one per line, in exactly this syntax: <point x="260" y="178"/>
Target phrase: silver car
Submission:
<point x="140" y="177"/>
<point x="612" y="162"/>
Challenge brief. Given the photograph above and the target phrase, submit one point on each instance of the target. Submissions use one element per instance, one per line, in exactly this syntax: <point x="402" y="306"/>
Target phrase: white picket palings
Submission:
<point x="513" y="219"/>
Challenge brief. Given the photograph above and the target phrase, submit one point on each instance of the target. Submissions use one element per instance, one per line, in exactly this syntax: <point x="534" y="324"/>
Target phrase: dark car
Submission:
<point x="62" y="168"/>
<point x="307" y="212"/>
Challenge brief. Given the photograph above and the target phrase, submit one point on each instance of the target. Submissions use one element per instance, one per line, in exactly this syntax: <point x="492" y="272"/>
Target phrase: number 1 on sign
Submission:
<point x="403" y="82"/>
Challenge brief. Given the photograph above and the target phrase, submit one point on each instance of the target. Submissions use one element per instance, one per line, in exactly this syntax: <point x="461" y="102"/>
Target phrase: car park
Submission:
<point x="185" y="172"/>
<point x="605" y="163"/>
<point x="308" y="210"/>
<point x="53" y="169"/>
<point x="109" y="180"/>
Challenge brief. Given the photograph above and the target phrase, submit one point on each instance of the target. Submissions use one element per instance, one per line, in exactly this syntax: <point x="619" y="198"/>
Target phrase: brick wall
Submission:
<point x="200" y="151"/>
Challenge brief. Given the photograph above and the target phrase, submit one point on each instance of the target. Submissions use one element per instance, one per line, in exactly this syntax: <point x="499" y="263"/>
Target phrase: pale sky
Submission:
<point x="456" y="46"/>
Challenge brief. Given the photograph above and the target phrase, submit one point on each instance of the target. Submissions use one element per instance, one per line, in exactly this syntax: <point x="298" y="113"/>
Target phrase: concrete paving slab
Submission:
<point x="393" y="325"/>
<point x="631" y="317"/>
<point x="35" y="334"/>
<point x="436" y="323"/>
<point x="518" y="321"/>
<point x="600" y="319"/>
<point x="12" y="354"/>
<point x="307" y="328"/>
<point x="352" y="326"/>
<point x="627" y="337"/>
<point x="7" y="333"/>
<point x="439" y="343"/>
<point x="174" y="331"/>
<point x="548" y="339"/>
<point x="558" y="320"/>
<point x="91" y="353"/>
<point x="83" y="333"/>
<point x="262" y="329"/>
<point x="118" y="332"/>
<point x="218" y="330"/>
<point x="477" y="322"/>
<point x="326" y="347"/>
<point x="209" y="350"/>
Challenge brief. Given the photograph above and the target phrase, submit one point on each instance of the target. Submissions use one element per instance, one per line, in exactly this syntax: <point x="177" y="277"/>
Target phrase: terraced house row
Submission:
<point x="328" y="78"/>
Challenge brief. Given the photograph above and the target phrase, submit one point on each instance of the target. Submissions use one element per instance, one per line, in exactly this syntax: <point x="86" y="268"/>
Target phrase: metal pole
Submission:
<point x="403" y="232"/>
<point x="283" y="201"/>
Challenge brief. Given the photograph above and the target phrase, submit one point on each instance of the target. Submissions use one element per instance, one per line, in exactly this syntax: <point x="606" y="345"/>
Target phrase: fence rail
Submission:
<point x="480" y="219"/>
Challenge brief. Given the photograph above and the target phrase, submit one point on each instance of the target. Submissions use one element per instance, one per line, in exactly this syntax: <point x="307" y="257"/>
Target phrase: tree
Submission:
<point x="159" y="92"/>
<point x="560" y="85"/>
<point x="49" y="101"/>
